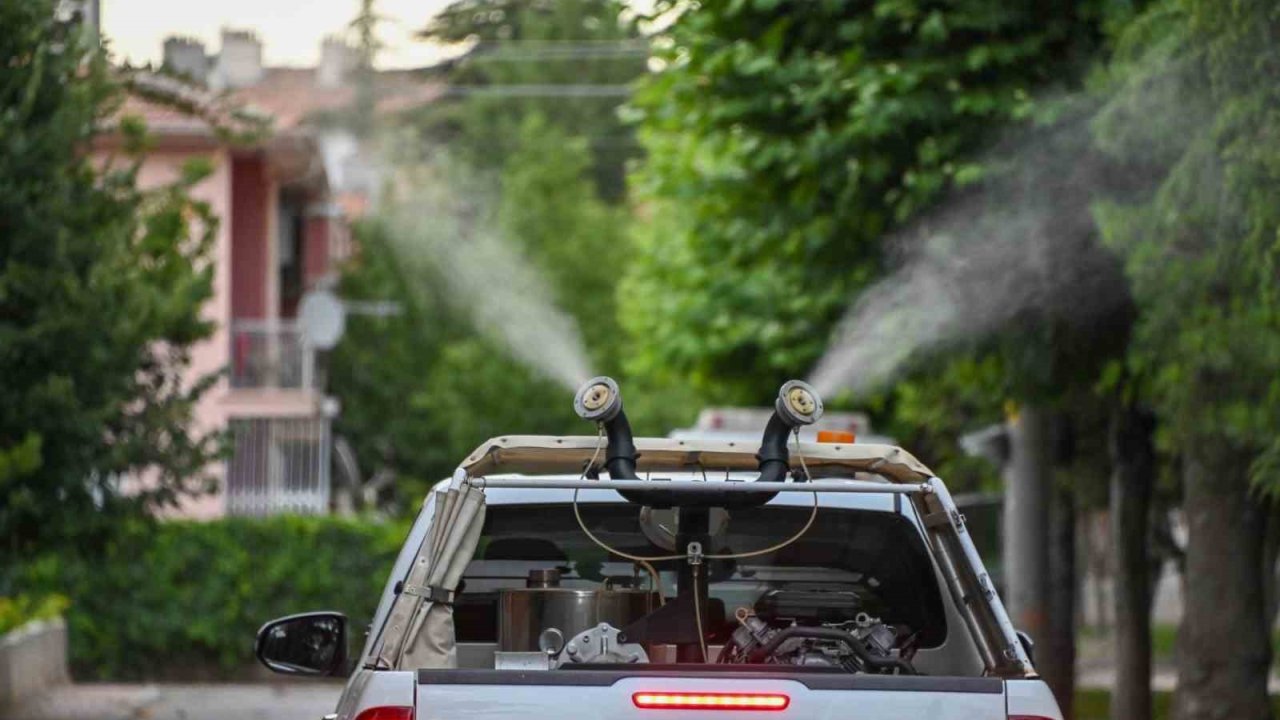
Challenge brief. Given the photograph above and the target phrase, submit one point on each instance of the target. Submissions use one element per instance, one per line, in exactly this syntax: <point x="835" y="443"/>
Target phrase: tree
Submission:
<point x="450" y="384"/>
<point x="550" y="208"/>
<point x="1133" y="479"/>
<point x="785" y="138"/>
<point x="101" y="287"/>
<point x="382" y="364"/>
<point x="526" y="177"/>
<point x="789" y="141"/>
<point x="1200" y="251"/>
<point x="574" y="58"/>
<point x="365" y="29"/>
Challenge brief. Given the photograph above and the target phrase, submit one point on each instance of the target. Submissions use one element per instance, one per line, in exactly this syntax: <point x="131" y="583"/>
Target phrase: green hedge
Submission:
<point x="19" y="610"/>
<point x="184" y="599"/>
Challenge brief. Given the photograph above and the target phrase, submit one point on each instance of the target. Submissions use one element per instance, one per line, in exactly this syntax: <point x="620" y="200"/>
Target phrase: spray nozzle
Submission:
<point x="598" y="399"/>
<point x="798" y="403"/>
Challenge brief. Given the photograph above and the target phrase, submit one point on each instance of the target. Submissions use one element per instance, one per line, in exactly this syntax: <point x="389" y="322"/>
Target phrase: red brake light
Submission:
<point x="386" y="712"/>
<point x="710" y="701"/>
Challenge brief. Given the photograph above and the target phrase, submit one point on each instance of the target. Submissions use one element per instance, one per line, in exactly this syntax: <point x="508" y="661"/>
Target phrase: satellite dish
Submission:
<point x="322" y="319"/>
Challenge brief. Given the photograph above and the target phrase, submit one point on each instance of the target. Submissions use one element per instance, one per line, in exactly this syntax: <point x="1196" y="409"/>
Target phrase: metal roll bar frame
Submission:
<point x="953" y="549"/>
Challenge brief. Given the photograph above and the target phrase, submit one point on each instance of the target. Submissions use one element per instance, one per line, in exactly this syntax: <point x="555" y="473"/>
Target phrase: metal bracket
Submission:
<point x="694" y="553"/>
<point x="431" y="593"/>
<point x="988" y="592"/>
<point x="943" y="518"/>
<point x="936" y="519"/>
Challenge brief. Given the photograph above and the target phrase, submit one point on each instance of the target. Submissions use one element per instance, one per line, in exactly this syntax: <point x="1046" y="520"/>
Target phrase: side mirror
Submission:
<point x="1028" y="645"/>
<point x="306" y="644"/>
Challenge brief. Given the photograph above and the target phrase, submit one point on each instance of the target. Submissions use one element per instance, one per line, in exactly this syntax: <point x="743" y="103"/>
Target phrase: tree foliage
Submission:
<point x="550" y="208"/>
<point x="550" y="58"/>
<point x="1202" y="249"/>
<point x="1199" y="241"/>
<point x="382" y="362"/>
<point x="101" y="286"/>
<point x="785" y="138"/>
<point x="139" y="611"/>
<point x="364" y="29"/>
<point x="451" y="385"/>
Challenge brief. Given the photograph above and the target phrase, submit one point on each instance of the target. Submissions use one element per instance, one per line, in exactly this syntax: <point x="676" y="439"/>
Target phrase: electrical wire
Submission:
<point x="655" y="580"/>
<point x="536" y="90"/>
<point x="556" y="53"/>
<point x="641" y="560"/>
<point x="596" y="453"/>
<point x="697" y="613"/>
<point x="645" y="560"/>
<point x="800" y="455"/>
<point x="772" y="548"/>
<point x="726" y="556"/>
<point x="615" y="551"/>
<point x="808" y="524"/>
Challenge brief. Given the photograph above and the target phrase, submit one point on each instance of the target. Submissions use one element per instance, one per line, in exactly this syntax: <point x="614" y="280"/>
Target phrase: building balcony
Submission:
<point x="278" y="465"/>
<point x="280" y="432"/>
<point x="271" y="355"/>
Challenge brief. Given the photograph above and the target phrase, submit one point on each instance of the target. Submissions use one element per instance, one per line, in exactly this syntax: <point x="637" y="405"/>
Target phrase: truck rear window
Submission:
<point x="879" y="556"/>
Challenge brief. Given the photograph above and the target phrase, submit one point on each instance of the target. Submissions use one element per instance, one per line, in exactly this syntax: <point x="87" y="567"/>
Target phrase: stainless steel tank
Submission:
<point x="523" y="613"/>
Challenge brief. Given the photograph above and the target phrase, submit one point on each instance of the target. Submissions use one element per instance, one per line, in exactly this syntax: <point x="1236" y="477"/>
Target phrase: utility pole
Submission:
<point x="1027" y="480"/>
<point x="365" y="28"/>
<point x="1037" y="540"/>
<point x="87" y="12"/>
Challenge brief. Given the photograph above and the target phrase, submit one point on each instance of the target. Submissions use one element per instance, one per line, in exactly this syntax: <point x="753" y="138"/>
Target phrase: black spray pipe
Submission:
<point x="600" y="401"/>
<point x="798" y="404"/>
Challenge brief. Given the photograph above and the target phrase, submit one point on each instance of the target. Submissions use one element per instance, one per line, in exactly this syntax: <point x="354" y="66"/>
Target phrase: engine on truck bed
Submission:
<point x="814" y="629"/>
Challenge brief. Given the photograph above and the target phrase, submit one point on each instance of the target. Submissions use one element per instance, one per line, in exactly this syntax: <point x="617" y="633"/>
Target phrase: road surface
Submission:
<point x="284" y="701"/>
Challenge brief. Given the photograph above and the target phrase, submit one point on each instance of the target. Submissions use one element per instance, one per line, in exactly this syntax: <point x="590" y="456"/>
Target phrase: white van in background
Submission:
<point x="745" y="424"/>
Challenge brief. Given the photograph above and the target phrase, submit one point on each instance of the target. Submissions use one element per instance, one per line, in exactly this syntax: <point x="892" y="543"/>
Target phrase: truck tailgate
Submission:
<point x="610" y="694"/>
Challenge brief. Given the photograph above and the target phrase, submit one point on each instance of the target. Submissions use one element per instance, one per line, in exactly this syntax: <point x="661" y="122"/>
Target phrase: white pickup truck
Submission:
<point x="661" y="579"/>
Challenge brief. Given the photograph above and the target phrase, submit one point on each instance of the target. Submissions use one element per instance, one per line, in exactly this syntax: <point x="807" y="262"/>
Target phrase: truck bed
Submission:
<point x="611" y="692"/>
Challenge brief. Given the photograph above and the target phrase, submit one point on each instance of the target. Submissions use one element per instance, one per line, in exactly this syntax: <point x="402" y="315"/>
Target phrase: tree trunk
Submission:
<point x="1056" y="659"/>
<point x="1224" y="643"/>
<point x="1026" y="523"/>
<point x="1132" y="483"/>
<point x="1104" y="589"/>
<point x="1270" y="556"/>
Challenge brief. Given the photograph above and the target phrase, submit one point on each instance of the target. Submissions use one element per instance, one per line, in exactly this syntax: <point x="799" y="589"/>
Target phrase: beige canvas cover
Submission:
<point x="542" y="454"/>
<point x="427" y="638"/>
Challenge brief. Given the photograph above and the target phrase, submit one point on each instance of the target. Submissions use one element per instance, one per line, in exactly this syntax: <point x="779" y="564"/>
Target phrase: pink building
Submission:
<point x="280" y="236"/>
<point x="283" y="201"/>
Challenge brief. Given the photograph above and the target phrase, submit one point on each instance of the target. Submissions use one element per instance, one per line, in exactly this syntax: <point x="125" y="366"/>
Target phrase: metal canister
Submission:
<point x="549" y="578"/>
<point x="523" y="613"/>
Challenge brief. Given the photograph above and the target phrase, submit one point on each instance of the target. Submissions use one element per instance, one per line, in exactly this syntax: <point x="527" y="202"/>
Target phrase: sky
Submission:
<point x="291" y="30"/>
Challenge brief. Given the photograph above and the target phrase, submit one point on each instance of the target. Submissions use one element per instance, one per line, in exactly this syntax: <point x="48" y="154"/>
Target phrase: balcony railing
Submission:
<point x="270" y="354"/>
<point x="278" y="465"/>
